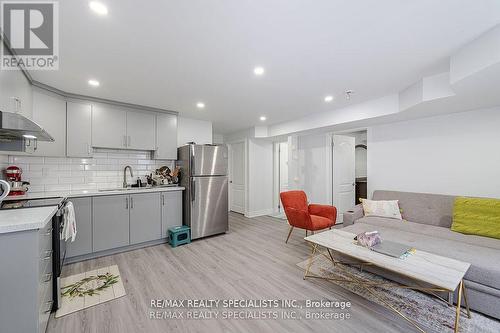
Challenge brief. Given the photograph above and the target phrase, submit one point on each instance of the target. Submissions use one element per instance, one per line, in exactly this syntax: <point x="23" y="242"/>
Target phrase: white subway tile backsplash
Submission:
<point x="71" y="180"/>
<point x="105" y="170"/>
<point x="52" y="188"/>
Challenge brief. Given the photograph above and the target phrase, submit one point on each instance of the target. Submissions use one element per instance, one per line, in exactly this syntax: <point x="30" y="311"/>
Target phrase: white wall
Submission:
<point x="218" y="138"/>
<point x="193" y="130"/>
<point x="454" y="154"/>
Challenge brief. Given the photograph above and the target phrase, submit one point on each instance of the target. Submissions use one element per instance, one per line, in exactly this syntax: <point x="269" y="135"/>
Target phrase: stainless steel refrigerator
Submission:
<point x="204" y="175"/>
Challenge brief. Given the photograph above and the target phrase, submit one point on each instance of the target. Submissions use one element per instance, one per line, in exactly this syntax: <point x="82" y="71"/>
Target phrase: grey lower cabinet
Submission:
<point x="83" y="215"/>
<point x="171" y="211"/>
<point x="110" y="222"/>
<point x="26" y="280"/>
<point x="145" y="217"/>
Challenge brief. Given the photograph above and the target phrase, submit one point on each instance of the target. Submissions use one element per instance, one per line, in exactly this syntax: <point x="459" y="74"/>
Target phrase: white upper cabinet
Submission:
<point x="166" y="137"/>
<point x="79" y="126"/>
<point x="140" y="130"/>
<point x="109" y="127"/>
<point x="49" y="111"/>
<point x="15" y="93"/>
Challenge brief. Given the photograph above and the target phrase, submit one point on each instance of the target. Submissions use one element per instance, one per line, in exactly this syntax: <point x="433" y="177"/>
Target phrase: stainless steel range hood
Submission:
<point x="14" y="126"/>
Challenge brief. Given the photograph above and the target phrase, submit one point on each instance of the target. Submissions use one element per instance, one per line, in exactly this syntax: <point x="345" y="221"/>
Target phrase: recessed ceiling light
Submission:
<point x="328" y="98"/>
<point x="94" y="83"/>
<point x="263" y="118"/>
<point x="98" y="7"/>
<point x="259" y="71"/>
<point x="200" y="105"/>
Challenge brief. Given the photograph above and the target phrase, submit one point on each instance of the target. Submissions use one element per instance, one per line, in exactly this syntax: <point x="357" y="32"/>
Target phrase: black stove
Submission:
<point x="12" y="203"/>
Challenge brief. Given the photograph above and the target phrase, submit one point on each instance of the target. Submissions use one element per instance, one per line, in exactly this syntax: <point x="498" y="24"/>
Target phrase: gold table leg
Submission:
<point x="367" y="286"/>
<point x="459" y="300"/>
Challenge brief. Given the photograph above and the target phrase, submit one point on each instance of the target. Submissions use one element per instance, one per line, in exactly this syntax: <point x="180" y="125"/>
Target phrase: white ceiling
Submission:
<point x="172" y="54"/>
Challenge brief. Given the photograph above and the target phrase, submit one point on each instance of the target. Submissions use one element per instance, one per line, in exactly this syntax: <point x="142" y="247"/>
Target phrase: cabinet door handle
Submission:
<point x="125" y="141"/>
<point x="126" y="203"/>
<point x="163" y="199"/>
<point x="49" y="306"/>
<point x="129" y="141"/>
<point x="48" y="277"/>
<point x="48" y="255"/>
<point x="131" y="203"/>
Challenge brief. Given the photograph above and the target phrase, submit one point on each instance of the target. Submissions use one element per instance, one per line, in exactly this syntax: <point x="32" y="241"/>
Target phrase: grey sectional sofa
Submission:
<point x="428" y="218"/>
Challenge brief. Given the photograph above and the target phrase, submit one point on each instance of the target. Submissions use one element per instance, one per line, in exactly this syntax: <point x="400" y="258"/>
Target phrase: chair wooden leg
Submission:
<point x="306" y="232"/>
<point x="289" y="233"/>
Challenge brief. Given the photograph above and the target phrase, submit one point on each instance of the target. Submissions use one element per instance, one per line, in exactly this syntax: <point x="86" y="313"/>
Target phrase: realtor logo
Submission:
<point x="31" y="28"/>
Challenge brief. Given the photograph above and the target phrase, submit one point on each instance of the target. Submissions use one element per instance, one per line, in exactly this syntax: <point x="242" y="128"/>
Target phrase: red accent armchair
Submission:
<point x="302" y="215"/>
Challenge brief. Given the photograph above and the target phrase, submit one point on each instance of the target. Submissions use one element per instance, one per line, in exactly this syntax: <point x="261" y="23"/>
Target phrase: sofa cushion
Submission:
<point x="440" y="241"/>
<point x="381" y="208"/>
<point x="433" y="209"/>
<point x="431" y="230"/>
<point x="477" y="216"/>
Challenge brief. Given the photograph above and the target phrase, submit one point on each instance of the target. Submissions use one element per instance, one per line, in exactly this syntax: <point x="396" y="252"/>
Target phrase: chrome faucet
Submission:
<point x="125" y="175"/>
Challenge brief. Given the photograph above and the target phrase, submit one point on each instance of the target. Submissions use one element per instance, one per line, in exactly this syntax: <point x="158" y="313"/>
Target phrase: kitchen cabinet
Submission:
<point x="109" y="127"/>
<point x="122" y="128"/>
<point x="16" y="94"/>
<point x="110" y="227"/>
<point x="49" y="111"/>
<point x="79" y="128"/>
<point x="166" y="137"/>
<point x="140" y="130"/>
<point x="171" y="211"/>
<point x="27" y="280"/>
<point x="145" y="219"/>
<point x="83" y="215"/>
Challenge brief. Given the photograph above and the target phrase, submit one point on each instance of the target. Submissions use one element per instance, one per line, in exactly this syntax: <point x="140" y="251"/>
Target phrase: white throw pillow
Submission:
<point x="382" y="208"/>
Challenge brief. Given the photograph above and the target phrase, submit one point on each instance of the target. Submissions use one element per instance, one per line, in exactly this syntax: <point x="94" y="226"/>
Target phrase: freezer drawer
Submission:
<point x="208" y="160"/>
<point x="209" y="206"/>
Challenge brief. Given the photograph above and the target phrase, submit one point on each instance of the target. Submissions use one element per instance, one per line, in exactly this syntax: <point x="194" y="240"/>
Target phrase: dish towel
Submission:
<point x="69" y="228"/>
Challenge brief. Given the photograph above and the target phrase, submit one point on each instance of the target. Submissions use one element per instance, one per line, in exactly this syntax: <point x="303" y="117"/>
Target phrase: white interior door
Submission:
<point x="344" y="166"/>
<point x="237" y="177"/>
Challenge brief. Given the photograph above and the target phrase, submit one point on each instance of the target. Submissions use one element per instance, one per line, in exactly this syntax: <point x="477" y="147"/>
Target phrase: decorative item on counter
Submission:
<point x="368" y="239"/>
<point x="174" y="175"/>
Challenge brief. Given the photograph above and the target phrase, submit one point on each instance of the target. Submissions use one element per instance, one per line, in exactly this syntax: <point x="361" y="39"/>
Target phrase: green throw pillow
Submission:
<point x="477" y="216"/>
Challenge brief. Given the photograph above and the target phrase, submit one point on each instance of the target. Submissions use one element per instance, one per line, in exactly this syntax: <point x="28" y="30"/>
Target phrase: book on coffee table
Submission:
<point x="392" y="249"/>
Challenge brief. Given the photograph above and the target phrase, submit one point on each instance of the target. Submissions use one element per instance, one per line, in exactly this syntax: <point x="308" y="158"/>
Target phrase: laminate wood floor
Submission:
<point x="251" y="261"/>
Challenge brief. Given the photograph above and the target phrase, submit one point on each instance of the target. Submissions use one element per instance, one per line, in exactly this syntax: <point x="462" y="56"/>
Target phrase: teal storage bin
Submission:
<point x="179" y="235"/>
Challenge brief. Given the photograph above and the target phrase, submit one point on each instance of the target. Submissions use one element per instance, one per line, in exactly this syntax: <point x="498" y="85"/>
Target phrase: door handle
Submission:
<point x="131" y="202"/>
<point x="126" y="203"/>
<point x="129" y="141"/>
<point x="163" y="200"/>
<point x="193" y="189"/>
<point x="125" y="141"/>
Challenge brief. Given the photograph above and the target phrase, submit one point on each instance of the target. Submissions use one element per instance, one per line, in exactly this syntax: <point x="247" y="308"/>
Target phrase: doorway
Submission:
<point x="237" y="183"/>
<point x="349" y="169"/>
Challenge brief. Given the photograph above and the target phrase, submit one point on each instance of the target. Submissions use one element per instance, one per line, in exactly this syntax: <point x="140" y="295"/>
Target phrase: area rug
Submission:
<point x="81" y="291"/>
<point x="425" y="310"/>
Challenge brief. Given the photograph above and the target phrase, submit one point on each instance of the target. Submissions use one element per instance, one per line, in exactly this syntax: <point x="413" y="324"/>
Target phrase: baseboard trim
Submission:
<point x="259" y="213"/>
<point x="105" y="253"/>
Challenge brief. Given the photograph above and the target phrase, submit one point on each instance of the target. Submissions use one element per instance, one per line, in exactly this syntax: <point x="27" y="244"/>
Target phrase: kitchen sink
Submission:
<point x="122" y="189"/>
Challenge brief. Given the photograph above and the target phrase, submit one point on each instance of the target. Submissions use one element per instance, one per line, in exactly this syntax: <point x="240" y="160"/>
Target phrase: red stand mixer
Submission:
<point x="17" y="185"/>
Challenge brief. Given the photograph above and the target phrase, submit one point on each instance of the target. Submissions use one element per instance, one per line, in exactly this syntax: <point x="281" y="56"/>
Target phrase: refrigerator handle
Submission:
<point x="193" y="189"/>
<point x="191" y="160"/>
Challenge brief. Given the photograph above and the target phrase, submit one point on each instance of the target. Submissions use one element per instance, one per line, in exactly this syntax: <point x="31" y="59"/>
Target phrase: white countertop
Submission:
<point x="92" y="193"/>
<point x="12" y="220"/>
